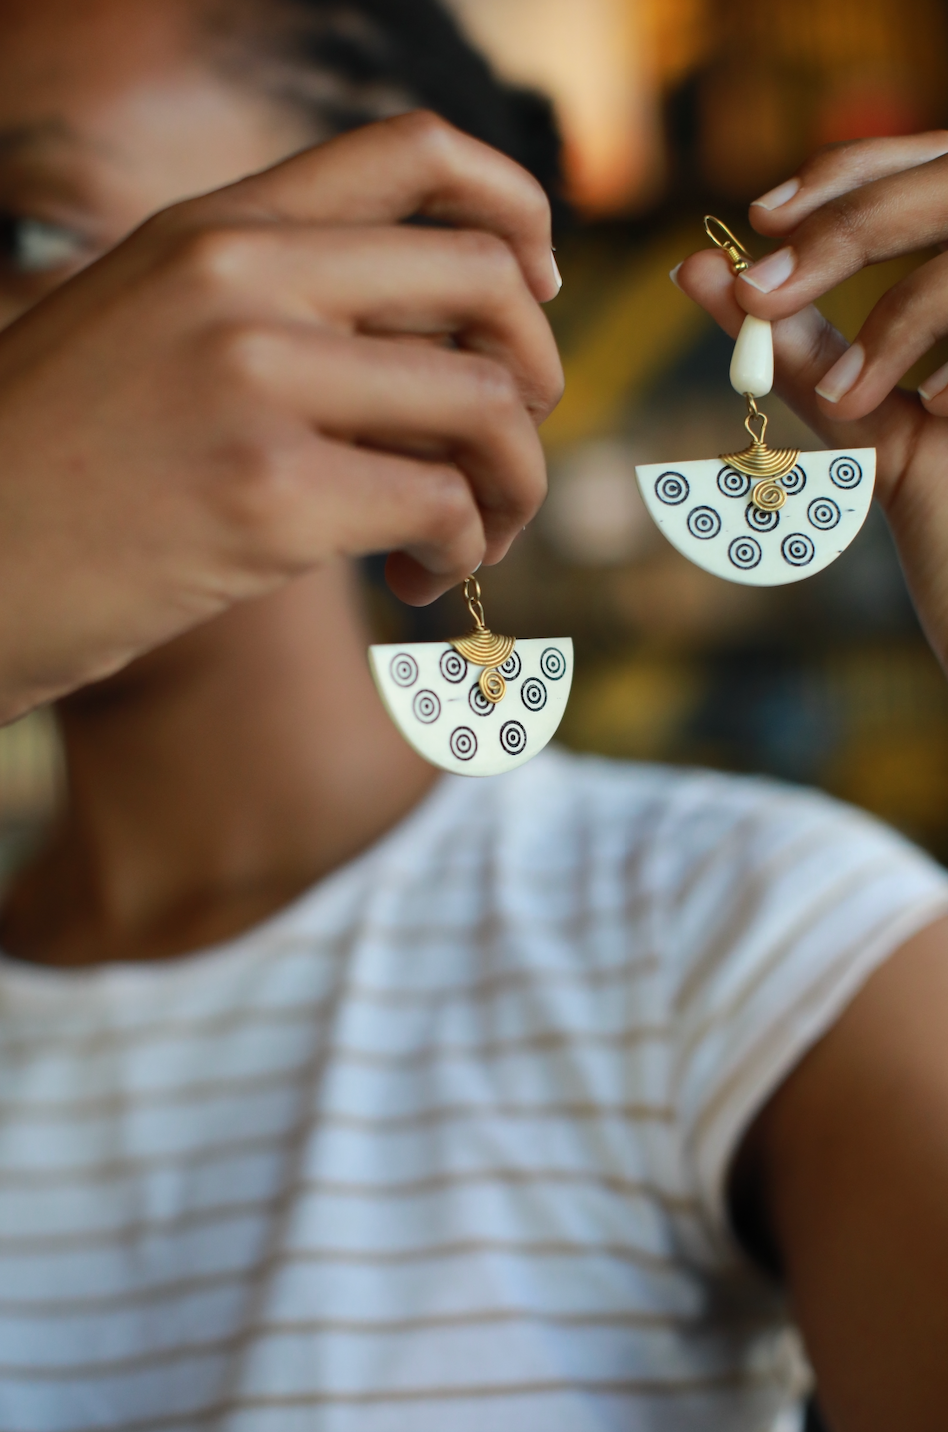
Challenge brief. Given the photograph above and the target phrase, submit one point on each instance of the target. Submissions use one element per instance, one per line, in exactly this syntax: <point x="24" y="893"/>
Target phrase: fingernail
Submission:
<point x="556" y="274"/>
<point x="772" y="271"/>
<point x="842" y="376"/>
<point x="774" y="198"/>
<point x="935" y="384"/>
<point x="674" y="275"/>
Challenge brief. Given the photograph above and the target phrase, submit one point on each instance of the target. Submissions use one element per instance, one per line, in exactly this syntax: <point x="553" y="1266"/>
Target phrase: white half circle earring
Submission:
<point x="762" y="516"/>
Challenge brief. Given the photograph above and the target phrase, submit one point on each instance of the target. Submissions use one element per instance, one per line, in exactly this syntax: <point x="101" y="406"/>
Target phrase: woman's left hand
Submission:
<point x="852" y="205"/>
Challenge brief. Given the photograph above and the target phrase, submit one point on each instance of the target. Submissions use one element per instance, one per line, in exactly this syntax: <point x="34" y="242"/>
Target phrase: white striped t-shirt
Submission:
<point x="441" y="1147"/>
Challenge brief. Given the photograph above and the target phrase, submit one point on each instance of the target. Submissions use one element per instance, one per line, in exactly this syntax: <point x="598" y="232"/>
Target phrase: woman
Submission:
<point x="333" y="1097"/>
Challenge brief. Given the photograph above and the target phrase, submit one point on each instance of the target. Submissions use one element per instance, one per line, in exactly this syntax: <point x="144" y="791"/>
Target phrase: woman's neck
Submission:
<point x="214" y="781"/>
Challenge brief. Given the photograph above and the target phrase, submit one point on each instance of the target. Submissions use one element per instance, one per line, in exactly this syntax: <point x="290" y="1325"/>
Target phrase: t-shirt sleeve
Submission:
<point x="778" y="906"/>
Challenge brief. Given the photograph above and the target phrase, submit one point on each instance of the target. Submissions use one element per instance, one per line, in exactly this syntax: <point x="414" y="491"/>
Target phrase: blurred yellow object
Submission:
<point x="641" y="328"/>
<point x="633" y="710"/>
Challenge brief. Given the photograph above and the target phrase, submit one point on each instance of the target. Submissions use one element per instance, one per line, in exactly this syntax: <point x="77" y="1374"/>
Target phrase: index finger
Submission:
<point x="413" y="165"/>
<point x="880" y="220"/>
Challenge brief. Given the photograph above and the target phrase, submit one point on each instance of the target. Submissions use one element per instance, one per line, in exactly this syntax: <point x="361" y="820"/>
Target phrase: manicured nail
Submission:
<point x="935" y="384"/>
<point x="842" y="376"/>
<point x="774" y="198"/>
<point x="556" y="274"/>
<point x="674" y="275"/>
<point x="772" y="271"/>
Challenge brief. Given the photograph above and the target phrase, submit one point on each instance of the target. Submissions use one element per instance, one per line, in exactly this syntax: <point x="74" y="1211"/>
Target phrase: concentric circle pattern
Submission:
<point x="845" y="472"/>
<point x="533" y="694"/>
<point x="463" y="744"/>
<point x="478" y="702"/>
<point x="798" y="549"/>
<point x="672" y="488"/>
<point x="761" y="521"/>
<point x="513" y="738"/>
<point x="823" y="514"/>
<point x="511" y="668"/>
<point x="744" y="553"/>
<point x="404" y="670"/>
<point x="794" y="482"/>
<point x="553" y="664"/>
<point x="453" y="667"/>
<point x="703" y="523"/>
<point x="426" y="707"/>
<point x="732" y="483"/>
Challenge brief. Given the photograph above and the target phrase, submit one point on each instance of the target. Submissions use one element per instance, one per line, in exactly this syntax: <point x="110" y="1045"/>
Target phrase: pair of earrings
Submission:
<point x="482" y="704"/>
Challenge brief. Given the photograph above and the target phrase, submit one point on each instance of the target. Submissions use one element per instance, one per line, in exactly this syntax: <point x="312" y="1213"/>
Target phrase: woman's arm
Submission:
<point x="845" y="1173"/>
<point x="228" y="399"/>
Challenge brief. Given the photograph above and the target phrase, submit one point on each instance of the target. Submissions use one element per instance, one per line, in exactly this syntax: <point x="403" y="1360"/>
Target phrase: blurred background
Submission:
<point x="671" y="109"/>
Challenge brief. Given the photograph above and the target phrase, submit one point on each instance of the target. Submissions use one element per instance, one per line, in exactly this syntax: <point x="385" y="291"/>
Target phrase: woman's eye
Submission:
<point x="35" y="246"/>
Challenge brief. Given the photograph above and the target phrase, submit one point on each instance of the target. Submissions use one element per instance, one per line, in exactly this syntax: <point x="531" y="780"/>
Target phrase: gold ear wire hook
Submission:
<point x="735" y="250"/>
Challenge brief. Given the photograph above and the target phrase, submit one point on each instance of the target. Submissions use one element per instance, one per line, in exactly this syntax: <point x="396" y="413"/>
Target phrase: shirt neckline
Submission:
<point x="441" y="796"/>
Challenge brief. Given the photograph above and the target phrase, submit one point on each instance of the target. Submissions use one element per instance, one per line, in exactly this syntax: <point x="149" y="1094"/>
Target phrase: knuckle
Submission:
<point x="844" y="219"/>
<point x="241" y="353"/>
<point x="256" y="493"/>
<point x="450" y="505"/>
<point x="490" y="253"/>
<point x="494" y="388"/>
<point x="427" y="130"/>
<point x="214" y="258"/>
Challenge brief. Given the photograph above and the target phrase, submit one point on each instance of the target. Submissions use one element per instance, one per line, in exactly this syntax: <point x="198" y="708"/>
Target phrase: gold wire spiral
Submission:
<point x="759" y="460"/>
<point x="768" y="495"/>
<point x="493" y="686"/>
<point x="482" y="647"/>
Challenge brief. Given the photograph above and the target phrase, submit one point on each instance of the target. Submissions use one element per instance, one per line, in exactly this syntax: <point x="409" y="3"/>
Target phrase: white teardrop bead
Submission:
<point x="752" y="367"/>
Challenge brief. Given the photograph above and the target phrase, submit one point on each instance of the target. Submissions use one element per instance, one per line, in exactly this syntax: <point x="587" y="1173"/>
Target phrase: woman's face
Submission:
<point x="109" y="111"/>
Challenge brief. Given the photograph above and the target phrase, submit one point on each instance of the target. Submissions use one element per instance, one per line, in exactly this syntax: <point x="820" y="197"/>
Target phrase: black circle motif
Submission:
<point x="672" y="488"/>
<point x="798" y="549"/>
<point x="478" y="702"/>
<point x="404" y="670"/>
<point x="761" y="521"/>
<point x="823" y="513"/>
<point x="732" y="483"/>
<point x="793" y="482"/>
<point x="845" y="472"/>
<point x="703" y="522"/>
<point x="511" y="668"/>
<point x="553" y="664"/>
<point x="453" y="667"/>
<point x="463" y="744"/>
<point x="533" y="694"/>
<point x="426" y="707"/>
<point x="513" y="738"/>
<point x="745" y="553"/>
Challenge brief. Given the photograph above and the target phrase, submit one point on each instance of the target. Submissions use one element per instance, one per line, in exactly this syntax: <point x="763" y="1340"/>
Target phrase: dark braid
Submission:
<point x="350" y="61"/>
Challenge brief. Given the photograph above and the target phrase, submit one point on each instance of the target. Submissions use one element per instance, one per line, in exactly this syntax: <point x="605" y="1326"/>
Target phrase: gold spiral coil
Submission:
<point x="768" y="495"/>
<point x="484" y="648"/>
<point x="493" y="686"/>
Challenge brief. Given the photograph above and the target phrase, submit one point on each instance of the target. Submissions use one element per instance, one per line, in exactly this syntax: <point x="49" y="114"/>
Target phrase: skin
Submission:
<point x="848" y="1164"/>
<point x="276" y="421"/>
<point x="268" y="317"/>
<point x="299" y="379"/>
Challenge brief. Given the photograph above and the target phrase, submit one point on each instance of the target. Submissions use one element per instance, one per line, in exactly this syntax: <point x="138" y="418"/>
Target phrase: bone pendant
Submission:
<point x="705" y="510"/>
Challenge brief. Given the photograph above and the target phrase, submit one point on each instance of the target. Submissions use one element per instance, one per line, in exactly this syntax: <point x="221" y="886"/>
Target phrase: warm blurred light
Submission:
<point x="591" y="57"/>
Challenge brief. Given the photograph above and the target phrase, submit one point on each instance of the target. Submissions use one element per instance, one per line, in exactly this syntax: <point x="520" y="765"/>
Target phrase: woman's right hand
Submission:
<point x="237" y="394"/>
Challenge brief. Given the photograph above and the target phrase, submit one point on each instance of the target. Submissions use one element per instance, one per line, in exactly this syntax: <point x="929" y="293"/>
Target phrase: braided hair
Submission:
<point x="347" y="62"/>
